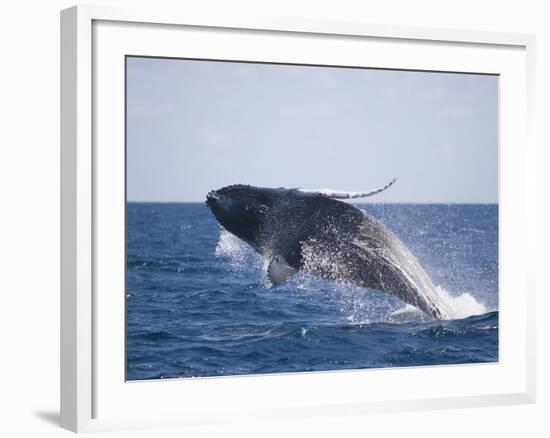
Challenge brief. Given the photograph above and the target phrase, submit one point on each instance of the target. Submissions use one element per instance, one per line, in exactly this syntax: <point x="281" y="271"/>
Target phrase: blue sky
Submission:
<point x="194" y="126"/>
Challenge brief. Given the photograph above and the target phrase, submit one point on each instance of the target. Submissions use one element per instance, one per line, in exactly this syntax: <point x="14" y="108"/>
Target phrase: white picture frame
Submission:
<point x="92" y="391"/>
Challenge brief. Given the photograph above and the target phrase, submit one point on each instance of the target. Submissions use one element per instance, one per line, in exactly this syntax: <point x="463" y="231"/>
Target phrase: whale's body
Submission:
<point x="312" y="232"/>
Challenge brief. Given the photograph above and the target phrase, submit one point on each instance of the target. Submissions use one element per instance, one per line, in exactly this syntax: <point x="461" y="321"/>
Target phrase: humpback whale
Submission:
<point x="311" y="230"/>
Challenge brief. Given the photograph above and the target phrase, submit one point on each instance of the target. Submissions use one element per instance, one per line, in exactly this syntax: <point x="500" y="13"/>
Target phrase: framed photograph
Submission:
<point x="258" y="208"/>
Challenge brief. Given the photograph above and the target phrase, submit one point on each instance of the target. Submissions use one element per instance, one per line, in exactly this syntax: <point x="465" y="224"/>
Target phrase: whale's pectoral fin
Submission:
<point x="279" y="270"/>
<point x="338" y="194"/>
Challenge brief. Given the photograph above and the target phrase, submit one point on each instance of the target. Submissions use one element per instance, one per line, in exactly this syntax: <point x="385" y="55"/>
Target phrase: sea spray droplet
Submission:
<point x="238" y="253"/>
<point x="240" y="257"/>
<point x="353" y="304"/>
<point x="358" y="304"/>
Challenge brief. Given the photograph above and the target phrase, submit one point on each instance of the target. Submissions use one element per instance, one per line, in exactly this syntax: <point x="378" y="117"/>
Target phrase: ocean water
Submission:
<point x="198" y="302"/>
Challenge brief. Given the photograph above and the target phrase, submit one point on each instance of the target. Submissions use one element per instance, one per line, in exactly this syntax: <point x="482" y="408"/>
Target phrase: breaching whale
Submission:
<point x="312" y="231"/>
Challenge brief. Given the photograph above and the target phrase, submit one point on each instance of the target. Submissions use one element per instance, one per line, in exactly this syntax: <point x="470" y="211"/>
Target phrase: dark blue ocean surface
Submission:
<point x="199" y="302"/>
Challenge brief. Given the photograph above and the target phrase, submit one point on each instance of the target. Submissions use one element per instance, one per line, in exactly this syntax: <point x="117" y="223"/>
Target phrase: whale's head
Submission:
<point x="240" y="209"/>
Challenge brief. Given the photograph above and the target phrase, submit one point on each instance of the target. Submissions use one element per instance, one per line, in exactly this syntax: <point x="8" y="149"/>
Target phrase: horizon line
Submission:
<point x="383" y="202"/>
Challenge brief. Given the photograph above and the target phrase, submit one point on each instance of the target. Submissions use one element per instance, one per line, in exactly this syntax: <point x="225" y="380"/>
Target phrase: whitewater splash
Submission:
<point x="241" y="258"/>
<point x="462" y="305"/>
<point x="459" y="306"/>
<point x="238" y="254"/>
<point x="363" y="306"/>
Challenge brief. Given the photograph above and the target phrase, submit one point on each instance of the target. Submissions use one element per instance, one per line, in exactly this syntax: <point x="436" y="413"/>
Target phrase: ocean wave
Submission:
<point x="203" y="306"/>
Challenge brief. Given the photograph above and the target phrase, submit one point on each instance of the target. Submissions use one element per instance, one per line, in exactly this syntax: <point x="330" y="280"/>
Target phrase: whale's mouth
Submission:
<point x="218" y="203"/>
<point x="212" y="198"/>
